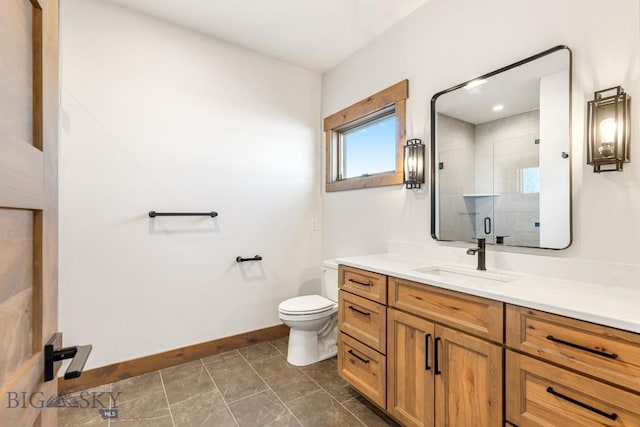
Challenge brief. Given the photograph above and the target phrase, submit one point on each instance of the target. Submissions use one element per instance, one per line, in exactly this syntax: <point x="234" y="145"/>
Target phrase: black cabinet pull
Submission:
<point x="357" y="357"/>
<point x="358" y="311"/>
<point x="579" y="347"/>
<point x="359" y="283"/>
<point x="437" y="370"/>
<point x="582" y="405"/>
<point x="426" y="352"/>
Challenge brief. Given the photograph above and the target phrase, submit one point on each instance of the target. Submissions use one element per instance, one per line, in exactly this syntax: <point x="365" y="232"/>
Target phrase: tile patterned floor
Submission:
<point x="251" y="386"/>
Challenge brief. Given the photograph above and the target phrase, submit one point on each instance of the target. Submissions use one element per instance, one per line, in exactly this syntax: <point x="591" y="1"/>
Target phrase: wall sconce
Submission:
<point x="414" y="163"/>
<point x="608" y="130"/>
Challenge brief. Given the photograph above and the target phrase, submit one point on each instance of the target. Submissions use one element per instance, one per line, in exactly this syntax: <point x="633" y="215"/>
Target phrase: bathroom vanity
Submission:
<point x="450" y="346"/>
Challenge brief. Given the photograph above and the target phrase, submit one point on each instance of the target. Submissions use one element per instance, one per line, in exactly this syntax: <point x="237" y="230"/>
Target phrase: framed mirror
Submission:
<point x="500" y="155"/>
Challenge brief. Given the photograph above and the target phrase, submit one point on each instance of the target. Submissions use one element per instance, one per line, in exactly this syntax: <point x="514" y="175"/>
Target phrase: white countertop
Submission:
<point x="618" y="307"/>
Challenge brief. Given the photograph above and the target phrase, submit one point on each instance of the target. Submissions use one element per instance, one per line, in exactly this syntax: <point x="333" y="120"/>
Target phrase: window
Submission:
<point x="368" y="148"/>
<point x="364" y="141"/>
<point x="530" y="180"/>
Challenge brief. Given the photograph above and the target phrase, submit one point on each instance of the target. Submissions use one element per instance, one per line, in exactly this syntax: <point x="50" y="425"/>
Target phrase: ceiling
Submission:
<point x="314" y="34"/>
<point x="517" y="90"/>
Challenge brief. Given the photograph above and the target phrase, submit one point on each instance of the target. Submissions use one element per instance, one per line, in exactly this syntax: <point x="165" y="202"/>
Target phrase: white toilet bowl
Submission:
<point x="312" y="320"/>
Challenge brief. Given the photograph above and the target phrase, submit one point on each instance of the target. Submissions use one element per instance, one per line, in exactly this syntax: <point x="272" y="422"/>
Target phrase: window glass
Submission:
<point x="530" y="180"/>
<point x="370" y="148"/>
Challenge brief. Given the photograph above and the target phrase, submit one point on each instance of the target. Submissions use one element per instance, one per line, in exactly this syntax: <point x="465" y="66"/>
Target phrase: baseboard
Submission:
<point x="130" y="368"/>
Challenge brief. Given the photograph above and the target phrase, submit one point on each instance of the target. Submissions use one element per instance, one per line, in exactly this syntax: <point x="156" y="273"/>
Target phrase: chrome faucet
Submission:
<point x="481" y="253"/>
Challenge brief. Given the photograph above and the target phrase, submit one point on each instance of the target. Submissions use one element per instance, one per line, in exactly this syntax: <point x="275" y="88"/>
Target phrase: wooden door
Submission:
<point x="29" y="99"/>
<point x="468" y="380"/>
<point x="410" y="379"/>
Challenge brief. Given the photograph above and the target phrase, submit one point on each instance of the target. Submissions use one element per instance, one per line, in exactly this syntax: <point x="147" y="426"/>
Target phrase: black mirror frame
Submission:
<point x="432" y="126"/>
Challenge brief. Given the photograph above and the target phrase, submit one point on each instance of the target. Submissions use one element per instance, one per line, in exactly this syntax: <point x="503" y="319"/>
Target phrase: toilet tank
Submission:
<point x="330" y="279"/>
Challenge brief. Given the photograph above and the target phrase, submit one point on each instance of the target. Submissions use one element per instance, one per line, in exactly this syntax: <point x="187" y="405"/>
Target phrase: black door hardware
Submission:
<point x="426" y="352"/>
<point x="255" y="258"/>
<point x="154" y="214"/>
<point x="487" y="225"/>
<point x="359" y="283"/>
<point x="358" y="311"/>
<point x="612" y="416"/>
<point x="79" y="354"/>
<point x="357" y="357"/>
<point x="437" y="370"/>
<point x="579" y="347"/>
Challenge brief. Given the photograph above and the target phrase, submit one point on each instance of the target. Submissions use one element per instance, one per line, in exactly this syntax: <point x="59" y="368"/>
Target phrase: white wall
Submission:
<point x="450" y="41"/>
<point x="156" y="117"/>
<point x="554" y="190"/>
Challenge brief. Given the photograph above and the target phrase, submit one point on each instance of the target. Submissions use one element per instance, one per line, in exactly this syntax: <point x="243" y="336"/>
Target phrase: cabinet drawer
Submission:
<point x="540" y="394"/>
<point x="369" y="285"/>
<point x="478" y="316"/>
<point x="363" y="320"/>
<point x="363" y="368"/>
<point x="606" y="353"/>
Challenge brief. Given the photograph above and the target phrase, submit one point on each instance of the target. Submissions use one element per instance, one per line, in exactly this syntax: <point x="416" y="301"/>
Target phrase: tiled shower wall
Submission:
<point x="488" y="159"/>
<point x="456" y="152"/>
<point x="504" y="148"/>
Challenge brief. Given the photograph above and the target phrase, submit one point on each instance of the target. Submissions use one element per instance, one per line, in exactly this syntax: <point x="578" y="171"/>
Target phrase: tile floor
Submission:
<point x="251" y="386"/>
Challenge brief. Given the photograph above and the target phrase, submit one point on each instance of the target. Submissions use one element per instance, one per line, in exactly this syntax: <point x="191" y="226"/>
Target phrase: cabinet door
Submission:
<point x="468" y="377"/>
<point x="410" y="382"/>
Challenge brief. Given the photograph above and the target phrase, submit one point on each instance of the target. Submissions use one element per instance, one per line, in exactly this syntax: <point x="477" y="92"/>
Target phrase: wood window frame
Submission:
<point x="395" y="96"/>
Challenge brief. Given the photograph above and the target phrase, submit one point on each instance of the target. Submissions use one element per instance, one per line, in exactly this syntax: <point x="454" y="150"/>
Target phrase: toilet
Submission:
<point x="312" y="320"/>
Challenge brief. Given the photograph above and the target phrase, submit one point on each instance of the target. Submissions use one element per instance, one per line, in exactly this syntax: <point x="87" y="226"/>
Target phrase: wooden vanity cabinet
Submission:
<point x="438" y="375"/>
<point x="433" y="357"/>
<point x="362" y="337"/>
<point x="560" y="380"/>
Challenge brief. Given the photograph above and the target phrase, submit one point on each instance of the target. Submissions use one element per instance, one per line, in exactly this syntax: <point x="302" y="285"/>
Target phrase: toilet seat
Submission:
<point x="305" y="305"/>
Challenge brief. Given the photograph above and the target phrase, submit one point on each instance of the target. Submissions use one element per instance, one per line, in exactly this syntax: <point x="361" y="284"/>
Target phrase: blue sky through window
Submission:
<point x="530" y="180"/>
<point x="370" y="148"/>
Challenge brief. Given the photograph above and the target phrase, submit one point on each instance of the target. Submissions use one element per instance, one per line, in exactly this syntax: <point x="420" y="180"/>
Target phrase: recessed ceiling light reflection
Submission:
<point x="475" y="83"/>
<point x="498" y="107"/>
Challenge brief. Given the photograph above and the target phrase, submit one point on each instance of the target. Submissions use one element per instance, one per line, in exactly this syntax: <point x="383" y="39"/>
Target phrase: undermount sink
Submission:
<point x="468" y="275"/>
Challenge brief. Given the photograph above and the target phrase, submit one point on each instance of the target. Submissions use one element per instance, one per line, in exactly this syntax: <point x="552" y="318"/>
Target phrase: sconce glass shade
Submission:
<point x="414" y="163"/>
<point x="608" y="130"/>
